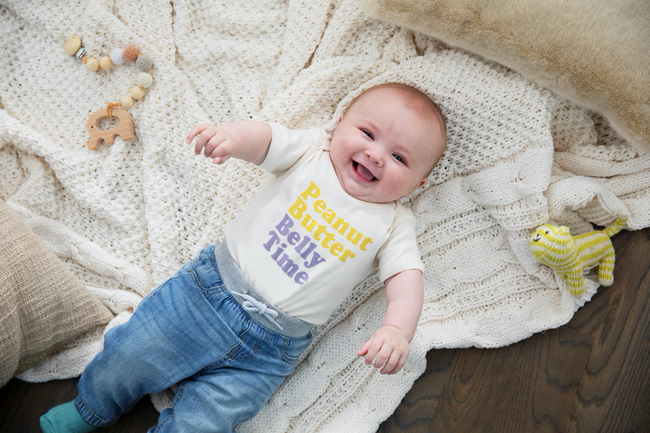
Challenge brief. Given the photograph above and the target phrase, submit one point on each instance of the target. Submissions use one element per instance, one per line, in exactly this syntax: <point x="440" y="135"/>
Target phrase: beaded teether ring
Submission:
<point x="124" y="129"/>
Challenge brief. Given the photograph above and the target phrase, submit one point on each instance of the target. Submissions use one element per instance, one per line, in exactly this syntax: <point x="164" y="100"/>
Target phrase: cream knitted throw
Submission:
<point x="129" y="215"/>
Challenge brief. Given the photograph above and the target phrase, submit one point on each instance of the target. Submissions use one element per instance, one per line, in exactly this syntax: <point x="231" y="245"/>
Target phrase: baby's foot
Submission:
<point x="64" y="419"/>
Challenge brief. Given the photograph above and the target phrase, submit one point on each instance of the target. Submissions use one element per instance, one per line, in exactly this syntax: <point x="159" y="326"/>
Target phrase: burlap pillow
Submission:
<point x="592" y="52"/>
<point x="42" y="304"/>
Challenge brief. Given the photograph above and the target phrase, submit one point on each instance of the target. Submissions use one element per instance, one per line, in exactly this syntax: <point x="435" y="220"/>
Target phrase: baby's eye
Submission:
<point x="368" y="133"/>
<point x="399" y="158"/>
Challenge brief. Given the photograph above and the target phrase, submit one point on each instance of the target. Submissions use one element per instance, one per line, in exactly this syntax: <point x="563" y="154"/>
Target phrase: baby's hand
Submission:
<point x="216" y="142"/>
<point x="390" y="345"/>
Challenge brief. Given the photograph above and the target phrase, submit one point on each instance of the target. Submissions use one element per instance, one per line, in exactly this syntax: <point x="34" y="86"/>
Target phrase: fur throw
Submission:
<point x="592" y="52"/>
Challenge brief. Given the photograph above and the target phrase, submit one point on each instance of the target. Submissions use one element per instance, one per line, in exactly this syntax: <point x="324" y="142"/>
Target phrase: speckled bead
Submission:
<point x="126" y="101"/>
<point x="92" y="64"/>
<point x="144" y="63"/>
<point x="131" y="53"/>
<point x="116" y="56"/>
<point x="145" y="80"/>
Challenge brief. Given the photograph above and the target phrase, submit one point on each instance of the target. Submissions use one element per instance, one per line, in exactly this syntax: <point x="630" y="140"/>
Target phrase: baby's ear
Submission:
<point x="422" y="182"/>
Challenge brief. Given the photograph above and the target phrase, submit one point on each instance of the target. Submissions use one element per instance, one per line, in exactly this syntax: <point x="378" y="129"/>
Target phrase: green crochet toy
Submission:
<point x="570" y="255"/>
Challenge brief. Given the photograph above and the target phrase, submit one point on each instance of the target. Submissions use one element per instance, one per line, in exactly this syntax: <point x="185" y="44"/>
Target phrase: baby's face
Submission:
<point x="381" y="150"/>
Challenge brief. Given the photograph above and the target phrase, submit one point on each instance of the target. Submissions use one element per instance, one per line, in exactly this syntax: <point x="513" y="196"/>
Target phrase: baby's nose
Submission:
<point x="375" y="157"/>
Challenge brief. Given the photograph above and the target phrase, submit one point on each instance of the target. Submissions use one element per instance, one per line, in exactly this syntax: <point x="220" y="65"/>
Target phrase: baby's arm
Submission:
<point x="247" y="140"/>
<point x="390" y="343"/>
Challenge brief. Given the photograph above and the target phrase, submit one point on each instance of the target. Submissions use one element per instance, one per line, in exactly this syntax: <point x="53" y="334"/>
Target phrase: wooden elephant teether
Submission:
<point x="118" y="56"/>
<point x="124" y="128"/>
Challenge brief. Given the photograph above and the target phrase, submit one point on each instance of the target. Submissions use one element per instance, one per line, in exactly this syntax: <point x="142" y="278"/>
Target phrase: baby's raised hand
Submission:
<point x="216" y="142"/>
<point x="390" y="346"/>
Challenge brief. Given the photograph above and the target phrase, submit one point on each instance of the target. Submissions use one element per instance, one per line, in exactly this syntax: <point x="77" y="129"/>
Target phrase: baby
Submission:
<point x="231" y="324"/>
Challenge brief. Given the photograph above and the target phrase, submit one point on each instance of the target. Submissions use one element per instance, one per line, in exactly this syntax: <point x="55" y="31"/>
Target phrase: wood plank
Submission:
<point x="528" y="386"/>
<point x="415" y="412"/>
<point x="615" y="389"/>
<point x="22" y="404"/>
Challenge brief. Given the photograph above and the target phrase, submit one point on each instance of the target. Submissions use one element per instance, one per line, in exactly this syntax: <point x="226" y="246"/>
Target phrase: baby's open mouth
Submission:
<point x="363" y="172"/>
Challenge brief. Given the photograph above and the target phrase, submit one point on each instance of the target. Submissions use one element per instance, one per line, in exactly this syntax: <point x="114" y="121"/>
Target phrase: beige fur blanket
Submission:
<point x="127" y="216"/>
<point x="594" y="52"/>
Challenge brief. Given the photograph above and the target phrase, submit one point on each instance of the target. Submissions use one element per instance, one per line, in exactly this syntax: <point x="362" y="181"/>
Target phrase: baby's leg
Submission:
<point x="168" y="338"/>
<point x="216" y="401"/>
<point x="234" y="388"/>
<point x="64" y="418"/>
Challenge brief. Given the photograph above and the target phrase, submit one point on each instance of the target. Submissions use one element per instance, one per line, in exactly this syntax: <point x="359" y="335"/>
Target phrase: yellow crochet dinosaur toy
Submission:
<point x="569" y="255"/>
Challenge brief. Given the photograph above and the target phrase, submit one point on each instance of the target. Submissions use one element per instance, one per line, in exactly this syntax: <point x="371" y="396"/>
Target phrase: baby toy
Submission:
<point x="124" y="129"/>
<point x="570" y="255"/>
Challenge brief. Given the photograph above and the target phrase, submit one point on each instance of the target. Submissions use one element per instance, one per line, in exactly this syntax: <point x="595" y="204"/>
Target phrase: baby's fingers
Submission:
<point x="196" y="131"/>
<point x="206" y="140"/>
<point x="383" y="355"/>
<point x="221" y="159"/>
<point x="364" y="348"/>
<point x="221" y="152"/>
<point x="210" y="141"/>
<point x="394" y="363"/>
<point x="374" y="347"/>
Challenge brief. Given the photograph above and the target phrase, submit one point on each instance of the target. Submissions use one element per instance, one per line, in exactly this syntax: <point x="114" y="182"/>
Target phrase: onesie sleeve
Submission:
<point x="400" y="252"/>
<point x="290" y="146"/>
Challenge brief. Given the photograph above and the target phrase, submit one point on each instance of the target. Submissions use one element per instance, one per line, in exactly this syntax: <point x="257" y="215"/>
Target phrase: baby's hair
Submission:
<point x="417" y="101"/>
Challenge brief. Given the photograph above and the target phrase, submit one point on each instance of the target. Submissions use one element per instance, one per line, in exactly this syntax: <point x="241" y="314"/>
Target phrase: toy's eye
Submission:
<point x="546" y="232"/>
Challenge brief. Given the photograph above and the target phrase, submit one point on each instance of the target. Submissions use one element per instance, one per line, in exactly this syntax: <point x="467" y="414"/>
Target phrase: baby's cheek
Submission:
<point x="398" y="184"/>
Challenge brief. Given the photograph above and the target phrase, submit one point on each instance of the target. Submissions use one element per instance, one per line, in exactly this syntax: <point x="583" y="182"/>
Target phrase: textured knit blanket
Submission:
<point x="127" y="216"/>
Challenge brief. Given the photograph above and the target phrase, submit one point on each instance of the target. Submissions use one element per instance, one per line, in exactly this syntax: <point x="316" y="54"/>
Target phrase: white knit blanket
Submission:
<point x="126" y="217"/>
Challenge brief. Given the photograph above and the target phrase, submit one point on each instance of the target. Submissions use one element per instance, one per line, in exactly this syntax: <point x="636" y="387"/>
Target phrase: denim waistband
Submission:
<point x="252" y="301"/>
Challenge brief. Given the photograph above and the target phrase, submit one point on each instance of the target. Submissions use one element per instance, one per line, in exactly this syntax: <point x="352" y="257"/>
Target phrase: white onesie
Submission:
<point x="304" y="243"/>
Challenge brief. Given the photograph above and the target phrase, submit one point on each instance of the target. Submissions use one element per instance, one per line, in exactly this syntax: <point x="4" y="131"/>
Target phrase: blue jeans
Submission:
<point x="225" y="348"/>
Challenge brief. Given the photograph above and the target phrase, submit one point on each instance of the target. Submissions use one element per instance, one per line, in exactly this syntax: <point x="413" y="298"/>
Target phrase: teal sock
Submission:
<point x="65" y="419"/>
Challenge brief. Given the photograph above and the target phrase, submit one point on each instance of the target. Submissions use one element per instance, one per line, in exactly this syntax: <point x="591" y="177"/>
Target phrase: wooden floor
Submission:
<point x="592" y="375"/>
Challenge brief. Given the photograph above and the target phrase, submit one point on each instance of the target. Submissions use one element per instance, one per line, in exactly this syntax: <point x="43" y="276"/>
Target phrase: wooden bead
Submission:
<point x="131" y="53"/>
<point x="72" y="45"/>
<point x="105" y="62"/>
<point x="92" y="65"/>
<point x="145" y="80"/>
<point x="126" y="101"/>
<point x="137" y="93"/>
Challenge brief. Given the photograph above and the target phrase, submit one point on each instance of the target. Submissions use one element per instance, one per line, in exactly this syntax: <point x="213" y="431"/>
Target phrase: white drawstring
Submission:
<point x="252" y="304"/>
